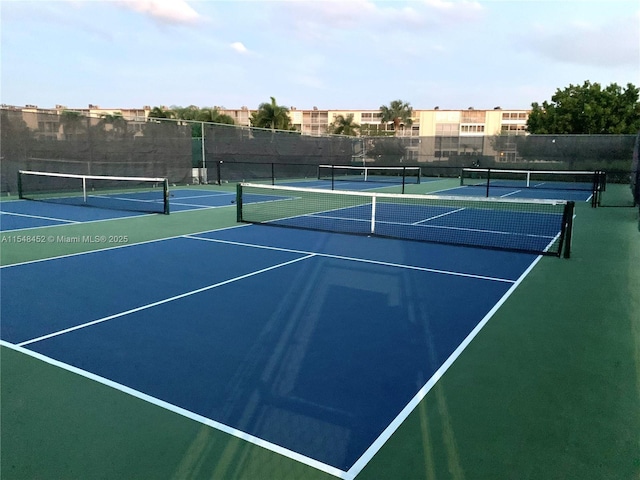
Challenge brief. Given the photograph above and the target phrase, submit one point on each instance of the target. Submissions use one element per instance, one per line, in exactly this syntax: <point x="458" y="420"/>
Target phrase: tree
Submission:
<point x="342" y="125"/>
<point x="587" y="109"/>
<point x="73" y="123"/>
<point x="112" y="124"/>
<point x="213" y="115"/>
<point x="271" y="115"/>
<point x="160" y="112"/>
<point x="193" y="114"/>
<point x="398" y="113"/>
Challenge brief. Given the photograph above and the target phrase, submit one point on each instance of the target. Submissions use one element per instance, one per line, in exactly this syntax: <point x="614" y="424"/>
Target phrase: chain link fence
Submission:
<point x="112" y="145"/>
<point x="67" y="142"/>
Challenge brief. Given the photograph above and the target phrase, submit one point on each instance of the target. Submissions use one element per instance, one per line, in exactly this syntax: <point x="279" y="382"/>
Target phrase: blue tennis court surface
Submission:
<point x="21" y="214"/>
<point x="526" y="193"/>
<point x="311" y="344"/>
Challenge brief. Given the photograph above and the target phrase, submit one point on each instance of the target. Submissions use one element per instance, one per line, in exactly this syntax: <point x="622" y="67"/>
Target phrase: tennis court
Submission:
<point x="314" y="346"/>
<point x="256" y="351"/>
<point x="557" y="193"/>
<point x="21" y="215"/>
<point x="263" y="362"/>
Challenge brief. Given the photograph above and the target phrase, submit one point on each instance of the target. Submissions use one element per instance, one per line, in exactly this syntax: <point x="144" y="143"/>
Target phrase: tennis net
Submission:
<point x="353" y="173"/>
<point x="533" y="226"/>
<point x="543" y="179"/>
<point x="140" y="194"/>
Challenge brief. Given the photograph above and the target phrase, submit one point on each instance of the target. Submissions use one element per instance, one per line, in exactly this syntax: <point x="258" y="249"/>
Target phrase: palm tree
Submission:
<point x="271" y="115"/>
<point x="114" y="124"/>
<point x="213" y="115"/>
<point x="72" y="123"/>
<point x="186" y="113"/>
<point x="342" y="125"/>
<point x="398" y="113"/>
<point x="160" y="112"/>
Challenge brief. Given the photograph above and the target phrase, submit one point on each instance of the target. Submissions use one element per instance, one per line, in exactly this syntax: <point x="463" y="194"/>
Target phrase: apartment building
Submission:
<point x="425" y="123"/>
<point x="435" y="122"/>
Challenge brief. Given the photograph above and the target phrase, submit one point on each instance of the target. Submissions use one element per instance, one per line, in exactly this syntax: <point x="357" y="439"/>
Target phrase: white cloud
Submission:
<point x="165" y="11"/>
<point x="312" y="19"/>
<point x="333" y="13"/>
<point x="449" y="6"/>
<point x="239" y="47"/>
<point x="616" y="43"/>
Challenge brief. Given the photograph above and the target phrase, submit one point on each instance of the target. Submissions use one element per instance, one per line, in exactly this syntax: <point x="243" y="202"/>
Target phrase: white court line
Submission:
<point x="510" y="193"/>
<point x="134" y="215"/>
<point x="89" y="252"/>
<point x="198" y="207"/>
<point x="160" y="302"/>
<point x="438" y="216"/>
<point x="221" y="194"/>
<point x="39" y="217"/>
<point x="183" y="412"/>
<point x="357" y="467"/>
<point x="131" y="215"/>
<point x="353" y="259"/>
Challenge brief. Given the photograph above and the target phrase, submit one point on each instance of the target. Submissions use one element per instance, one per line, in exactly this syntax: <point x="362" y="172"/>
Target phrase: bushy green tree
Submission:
<point x="588" y="109"/>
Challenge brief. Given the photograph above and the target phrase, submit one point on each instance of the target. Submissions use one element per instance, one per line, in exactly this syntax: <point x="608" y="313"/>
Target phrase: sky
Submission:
<point x="329" y="54"/>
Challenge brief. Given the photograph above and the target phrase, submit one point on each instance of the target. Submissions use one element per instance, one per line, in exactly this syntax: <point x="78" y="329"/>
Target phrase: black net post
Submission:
<point x="404" y="176"/>
<point x="239" y="202"/>
<point x="567" y="230"/>
<point x="273" y="175"/>
<point x="332" y="177"/>
<point x="596" y="187"/>
<point x="488" y="180"/>
<point x="20" y="185"/>
<point x="165" y="187"/>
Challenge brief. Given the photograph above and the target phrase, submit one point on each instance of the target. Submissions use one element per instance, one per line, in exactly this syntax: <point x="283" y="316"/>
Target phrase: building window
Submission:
<point x="514" y="128"/>
<point x="473" y="116"/>
<point x="515" y="115"/>
<point x="370" y="117"/>
<point x="472" y="128"/>
<point x="447" y="129"/>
